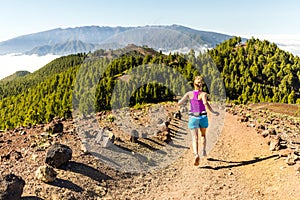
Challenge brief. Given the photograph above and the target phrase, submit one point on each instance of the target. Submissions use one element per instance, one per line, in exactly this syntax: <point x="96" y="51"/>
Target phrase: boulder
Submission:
<point x="243" y="119"/>
<point x="134" y="136"/>
<point x="144" y="135"/>
<point x="105" y="138"/>
<point x="22" y="132"/>
<point x="58" y="155"/>
<point x="275" y="143"/>
<point x="265" y="133"/>
<point x="291" y="159"/>
<point x="99" y="136"/>
<point x="12" y="155"/>
<point x="252" y="125"/>
<point x="11" y="187"/>
<point x="164" y="126"/>
<point x="46" y="174"/>
<point x="165" y="137"/>
<point x="106" y="142"/>
<point x="177" y="115"/>
<point x="261" y="127"/>
<point x="272" y="131"/>
<point x="54" y="127"/>
<point x="84" y="148"/>
<point x="111" y="136"/>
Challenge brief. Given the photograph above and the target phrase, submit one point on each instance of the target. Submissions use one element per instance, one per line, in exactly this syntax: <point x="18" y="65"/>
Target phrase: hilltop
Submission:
<point x="15" y="76"/>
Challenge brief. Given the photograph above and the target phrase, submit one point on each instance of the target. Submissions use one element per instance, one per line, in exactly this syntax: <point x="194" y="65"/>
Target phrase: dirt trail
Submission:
<point x="240" y="166"/>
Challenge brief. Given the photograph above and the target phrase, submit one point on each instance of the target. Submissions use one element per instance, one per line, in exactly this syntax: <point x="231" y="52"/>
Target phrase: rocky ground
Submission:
<point x="256" y="156"/>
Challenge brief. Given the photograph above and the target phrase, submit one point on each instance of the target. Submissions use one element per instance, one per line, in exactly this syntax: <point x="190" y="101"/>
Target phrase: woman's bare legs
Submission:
<point x="194" y="133"/>
<point x="203" y="141"/>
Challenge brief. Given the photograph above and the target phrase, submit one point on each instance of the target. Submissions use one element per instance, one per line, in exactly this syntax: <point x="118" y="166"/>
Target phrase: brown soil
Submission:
<point x="288" y="109"/>
<point x="239" y="166"/>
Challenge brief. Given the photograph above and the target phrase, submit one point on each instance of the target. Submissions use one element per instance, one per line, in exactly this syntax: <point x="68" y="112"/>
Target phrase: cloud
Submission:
<point x="286" y="42"/>
<point x="11" y="63"/>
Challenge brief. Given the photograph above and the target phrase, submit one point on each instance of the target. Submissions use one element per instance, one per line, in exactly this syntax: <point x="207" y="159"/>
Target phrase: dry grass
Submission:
<point x="281" y="108"/>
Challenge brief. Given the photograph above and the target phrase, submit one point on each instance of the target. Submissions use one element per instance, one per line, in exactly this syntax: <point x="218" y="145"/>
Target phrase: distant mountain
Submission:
<point x="87" y="34"/>
<point x="88" y="38"/>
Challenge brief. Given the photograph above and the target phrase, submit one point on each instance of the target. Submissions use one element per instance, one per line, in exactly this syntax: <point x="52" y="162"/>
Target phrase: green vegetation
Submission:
<point x="22" y="84"/>
<point x="51" y="91"/>
<point x="253" y="72"/>
<point x="38" y="97"/>
<point x="257" y="71"/>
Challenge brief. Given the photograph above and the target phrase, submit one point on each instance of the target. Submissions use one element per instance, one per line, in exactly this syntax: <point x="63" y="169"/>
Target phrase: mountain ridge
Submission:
<point x="152" y="36"/>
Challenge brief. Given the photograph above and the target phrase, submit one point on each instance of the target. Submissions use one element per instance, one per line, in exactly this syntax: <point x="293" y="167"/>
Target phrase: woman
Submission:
<point x="198" y="121"/>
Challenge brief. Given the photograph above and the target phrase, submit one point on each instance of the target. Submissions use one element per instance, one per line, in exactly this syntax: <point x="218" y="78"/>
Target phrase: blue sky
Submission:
<point x="234" y="17"/>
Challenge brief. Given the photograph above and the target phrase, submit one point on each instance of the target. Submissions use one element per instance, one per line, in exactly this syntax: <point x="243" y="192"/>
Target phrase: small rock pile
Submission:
<point x="164" y="133"/>
<point x="106" y="128"/>
<point x="57" y="156"/>
<point x="11" y="185"/>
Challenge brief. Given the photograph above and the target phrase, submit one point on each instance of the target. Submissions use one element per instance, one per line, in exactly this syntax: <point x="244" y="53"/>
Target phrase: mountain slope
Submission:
<point x="15" y="75"/>
<point x="166" y="37"/>
<point x="257" y="71"/>
<point x="66" y="48"/>
<point x="73" y="83"/>
<point x="12" y="86"/>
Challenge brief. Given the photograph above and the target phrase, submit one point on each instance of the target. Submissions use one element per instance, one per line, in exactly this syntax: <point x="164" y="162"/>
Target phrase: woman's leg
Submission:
<point x="203" y="141"/>
<point x="195" y="145"/>
<point x="194" y="133"/>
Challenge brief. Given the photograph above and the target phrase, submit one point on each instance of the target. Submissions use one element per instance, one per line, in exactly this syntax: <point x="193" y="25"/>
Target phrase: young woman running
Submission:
<point x="198" y="121"/>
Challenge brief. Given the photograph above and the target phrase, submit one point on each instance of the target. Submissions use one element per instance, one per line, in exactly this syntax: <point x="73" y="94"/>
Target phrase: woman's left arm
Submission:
<point x="207" y="105"/>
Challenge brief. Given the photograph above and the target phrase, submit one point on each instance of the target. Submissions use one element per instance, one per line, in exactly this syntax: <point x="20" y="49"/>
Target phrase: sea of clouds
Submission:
<point x="11" y="63"/>
<point x="287" y="42"/>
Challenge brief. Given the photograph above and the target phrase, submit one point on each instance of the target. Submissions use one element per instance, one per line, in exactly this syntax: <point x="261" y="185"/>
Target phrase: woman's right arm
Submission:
<point x="183" y="99"/>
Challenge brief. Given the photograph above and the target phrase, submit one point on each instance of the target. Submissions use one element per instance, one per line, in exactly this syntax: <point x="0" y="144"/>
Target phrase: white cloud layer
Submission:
<point x="11" y="63"/>
<point x="287" y="42"/>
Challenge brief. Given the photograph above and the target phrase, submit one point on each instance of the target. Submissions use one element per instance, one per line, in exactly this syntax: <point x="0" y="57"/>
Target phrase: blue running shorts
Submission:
<point x="198" y="122"/>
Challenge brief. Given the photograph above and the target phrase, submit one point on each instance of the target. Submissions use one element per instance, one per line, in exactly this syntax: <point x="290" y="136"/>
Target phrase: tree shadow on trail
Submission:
<point x="236" y="163"/>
